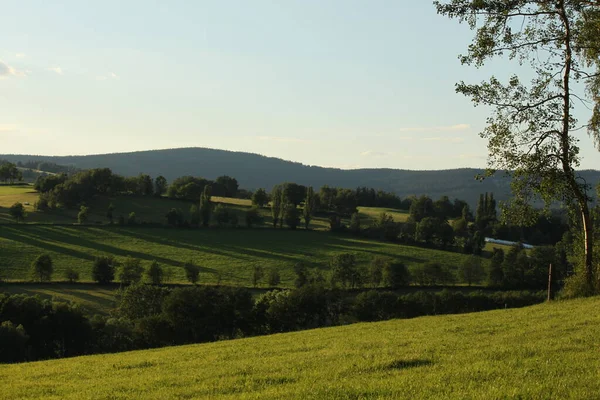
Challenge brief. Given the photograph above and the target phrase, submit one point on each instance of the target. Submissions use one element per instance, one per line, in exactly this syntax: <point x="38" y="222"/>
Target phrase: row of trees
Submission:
<point x="71" y="191"/>
<point x="151" y="316"/>
<point x="517" y="269"/>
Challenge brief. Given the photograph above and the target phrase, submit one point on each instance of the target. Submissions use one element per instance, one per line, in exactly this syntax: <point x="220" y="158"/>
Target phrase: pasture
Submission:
<point x="543" y="351"/>
<point x="224" y="255"/>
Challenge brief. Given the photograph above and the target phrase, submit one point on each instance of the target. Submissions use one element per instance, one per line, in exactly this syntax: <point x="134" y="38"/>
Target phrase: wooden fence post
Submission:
<point x="550" y="282"/>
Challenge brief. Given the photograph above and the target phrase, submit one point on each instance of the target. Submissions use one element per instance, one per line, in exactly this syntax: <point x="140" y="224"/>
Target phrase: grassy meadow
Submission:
<point x="539" y="352"/>
<point x="228" y="255"/>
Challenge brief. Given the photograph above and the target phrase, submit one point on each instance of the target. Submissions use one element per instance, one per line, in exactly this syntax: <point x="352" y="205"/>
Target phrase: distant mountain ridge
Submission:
<point x="253" y="171"/>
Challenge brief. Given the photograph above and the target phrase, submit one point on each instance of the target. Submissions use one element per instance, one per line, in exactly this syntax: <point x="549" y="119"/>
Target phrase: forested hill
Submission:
<point x="253" y="171"/>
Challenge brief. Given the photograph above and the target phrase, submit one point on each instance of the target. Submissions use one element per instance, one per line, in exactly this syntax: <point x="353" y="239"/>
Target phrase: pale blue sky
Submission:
<point x="342" y="83"/>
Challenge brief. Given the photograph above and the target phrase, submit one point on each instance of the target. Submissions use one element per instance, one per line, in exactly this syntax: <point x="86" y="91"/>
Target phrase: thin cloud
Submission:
<point x="443" y="139"/>
<point x="20" y="55"/>
<point x="58" y="70"/>
<point x="284" y="139"/>
<point x="449" y="128"/>
<point x="372" y="153"/>
<point x="7" y="128"/>
<point x="112" y="75"/>
<point x="6" y="71"/>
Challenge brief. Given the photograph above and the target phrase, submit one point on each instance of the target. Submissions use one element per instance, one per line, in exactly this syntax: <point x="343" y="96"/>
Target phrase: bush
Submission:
<point x="42" y="268"/>
<point x="103" y="270"/>
<point x="71" y="275"/>
<point x="192" y="271"/>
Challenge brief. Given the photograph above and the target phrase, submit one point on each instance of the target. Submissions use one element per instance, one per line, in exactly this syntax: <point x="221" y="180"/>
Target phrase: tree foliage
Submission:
<point x="532" y="132"/>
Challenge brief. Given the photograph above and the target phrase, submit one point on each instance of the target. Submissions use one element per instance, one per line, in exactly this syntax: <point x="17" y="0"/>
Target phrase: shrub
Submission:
<point x="71" y="275"/>
<point x="42" y="268"/>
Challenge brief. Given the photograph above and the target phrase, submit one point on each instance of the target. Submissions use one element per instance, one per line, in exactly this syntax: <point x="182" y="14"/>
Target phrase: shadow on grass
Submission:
<point x="406" y="364"/>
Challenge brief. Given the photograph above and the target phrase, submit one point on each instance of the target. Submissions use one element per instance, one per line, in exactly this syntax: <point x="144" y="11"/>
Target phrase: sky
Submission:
<point x="337" y="83"/>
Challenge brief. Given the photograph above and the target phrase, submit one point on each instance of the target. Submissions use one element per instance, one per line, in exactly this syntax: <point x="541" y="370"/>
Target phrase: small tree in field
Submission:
<point x="396" y="275"/>
<point x="291" y="216"/>
<point x="260" y="198"/>
<point x="257" y="275"/>
<point x="17" y="211"/>
<point x="130" y="271"/>
<point x="83" y="214"/>
<point x="253" y="217"/>
<point x="273" y="278"/>
<point x="71" y="275"/>
<point x="355" y="223"/>
<point x="376" y="270"/>
<point x="192" y="271"/>
<point x="131" y="218"/>
<point x="103" y="270"/>
<point x="471" y="271"/>
<point x="42" y="268"/>
<point x="205" y="206"/>
<point x="276" y="204"/>
<point x="155" y="273"/>
<point x="109" y="212"/>
<point x="309" y="206"/>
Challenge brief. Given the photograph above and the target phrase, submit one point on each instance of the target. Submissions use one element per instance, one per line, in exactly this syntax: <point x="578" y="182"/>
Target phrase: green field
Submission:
<point x="93" y="299"/>
<point x="228" y="254"/>
<point x="540" y="352"/>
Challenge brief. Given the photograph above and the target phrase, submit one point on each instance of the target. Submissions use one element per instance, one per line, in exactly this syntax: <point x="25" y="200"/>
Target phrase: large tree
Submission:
<point x="533" y="129"/>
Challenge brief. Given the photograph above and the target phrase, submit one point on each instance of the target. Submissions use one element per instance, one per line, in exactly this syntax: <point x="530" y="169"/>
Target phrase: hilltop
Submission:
<point x="544" y="351"/>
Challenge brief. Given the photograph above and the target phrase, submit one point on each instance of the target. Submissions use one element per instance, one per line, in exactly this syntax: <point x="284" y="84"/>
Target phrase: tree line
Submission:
<point x="147" y="316"/>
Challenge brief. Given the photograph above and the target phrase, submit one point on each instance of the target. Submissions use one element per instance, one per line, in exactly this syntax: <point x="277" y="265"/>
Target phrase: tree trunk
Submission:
<point x="588" y="238"/>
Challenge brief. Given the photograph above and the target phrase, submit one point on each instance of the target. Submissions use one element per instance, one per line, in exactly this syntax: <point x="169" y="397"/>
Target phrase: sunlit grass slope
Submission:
<point x="540" y="352"/>
<point x="228" y="254"/>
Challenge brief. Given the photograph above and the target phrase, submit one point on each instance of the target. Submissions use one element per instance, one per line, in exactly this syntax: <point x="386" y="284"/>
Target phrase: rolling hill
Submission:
<point x="253" y="171"/>
<point x="544" y="351"/>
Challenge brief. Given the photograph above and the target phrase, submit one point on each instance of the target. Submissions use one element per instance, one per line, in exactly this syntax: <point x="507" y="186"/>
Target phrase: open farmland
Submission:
<point x="228" y="255"/>
<point x="542" y="351"/>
